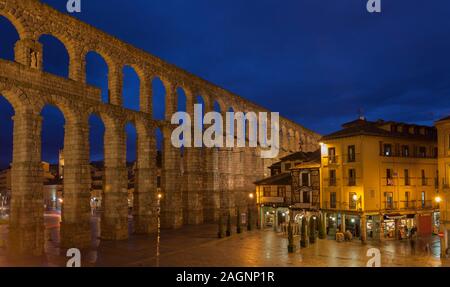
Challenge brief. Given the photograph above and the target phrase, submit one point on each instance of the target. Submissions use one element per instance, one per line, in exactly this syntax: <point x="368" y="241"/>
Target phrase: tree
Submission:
<point x="304" y="236"/>
<point x="312" y="230"/>
<point x="228" y="232"/>
<point x="238" y="221"/>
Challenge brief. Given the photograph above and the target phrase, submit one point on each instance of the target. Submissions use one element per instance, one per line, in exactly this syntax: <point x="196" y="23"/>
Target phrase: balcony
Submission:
<point x="424" y="181"/>
<point x="390" y="205"/>
<point x="398" y="154"/>
<point x="351" y="181"/>
<point x="417" y="205"/>
<point x="270" y="199"/>
<point x="332" y="181"/>
<point x="352" y="158"/>
<point x="330" y="205"/>
<point x="339" y="205"/>
<point x="427" y="204"/>
<point x="389" y="181"/>
<point x="332" y="159"/>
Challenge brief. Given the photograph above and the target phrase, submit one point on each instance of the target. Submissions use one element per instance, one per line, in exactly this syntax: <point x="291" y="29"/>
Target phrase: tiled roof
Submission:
<point x="364" y="127"/>
<point x="279" y="179"/>
<point x="303" y="156"/>
<point x="444" y="119"/>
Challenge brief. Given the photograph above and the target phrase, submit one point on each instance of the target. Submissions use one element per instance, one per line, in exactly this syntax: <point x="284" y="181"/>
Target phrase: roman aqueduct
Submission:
<point x="197" y="185"/>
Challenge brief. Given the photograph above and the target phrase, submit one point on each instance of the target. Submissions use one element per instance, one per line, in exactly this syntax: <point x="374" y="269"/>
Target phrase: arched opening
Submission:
<point x="55" y="56"/>
<point x="52" y="143"/>
<point x="6" y="146"/>
<point x="97" y="73"/>
<point x="97" y="162"/>
<point x="158" y="99"/>
<point x="131" y="88"/>
<point x="131" y="141"/>
<point x="9" y="38"/>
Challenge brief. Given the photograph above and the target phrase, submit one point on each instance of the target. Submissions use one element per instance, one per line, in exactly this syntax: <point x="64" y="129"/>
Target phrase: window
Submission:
<point x="394" y="128"/>
<point x="407" y="180"/>
<point x="351" y="177"/>
<point x="407" y="199"/>
<point x="387" y="150"/>
<point x="389" y="177"/>
<point x="424" y="179"/>
<point x="333" y="200"/>
<point x="332" y="177"/>
<point x="332" y="155"/>
<point x="305" y="179"/>
<point x="422" y="151"/>
<point x="389" y="200"/>
<point x="351" y="154"/>
<point x="266" y="191"/>
<point x="423" y="199"/>
<point x="306" y="197"/>
<point x="405" y="151"/>
<point x="353" y="200"/>
<point x="287" y="166"/>
<point x="281" y="191"/>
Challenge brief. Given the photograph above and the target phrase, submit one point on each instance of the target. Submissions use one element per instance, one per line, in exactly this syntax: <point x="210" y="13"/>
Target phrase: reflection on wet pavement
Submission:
<point x="197" y="246"/>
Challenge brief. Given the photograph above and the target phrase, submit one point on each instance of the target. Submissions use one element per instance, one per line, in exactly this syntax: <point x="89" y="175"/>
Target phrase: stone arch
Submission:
<point x="10" y="37"/>
<point x="69" y="110"/>
<point x="129" y="75"/>
<point x="59" y="34"/>
<point x="16" y="97"/>
<point x="222" y="104"/>
<point x="160" y="88"/>
<point x="85" y="75"/>
<point x="68" y="50"/>
<point x="17" y="21"/>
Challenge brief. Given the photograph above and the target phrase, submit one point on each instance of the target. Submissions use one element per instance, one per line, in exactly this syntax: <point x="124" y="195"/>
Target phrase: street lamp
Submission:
<point x="438" y="199"/>
<point x="249" y="211"/>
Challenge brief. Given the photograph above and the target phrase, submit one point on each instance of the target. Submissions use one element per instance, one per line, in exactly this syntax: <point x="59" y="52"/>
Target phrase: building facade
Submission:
<point x="380" y="179"/>
<point x="443" y="128"/>
<point x="291" y="192"/>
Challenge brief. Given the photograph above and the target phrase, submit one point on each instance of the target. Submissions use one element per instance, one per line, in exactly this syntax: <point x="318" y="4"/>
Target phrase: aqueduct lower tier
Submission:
<point x="197" y="186"/>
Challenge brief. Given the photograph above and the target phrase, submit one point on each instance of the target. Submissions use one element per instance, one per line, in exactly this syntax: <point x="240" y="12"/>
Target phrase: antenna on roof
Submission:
<point x="361" y="114"/>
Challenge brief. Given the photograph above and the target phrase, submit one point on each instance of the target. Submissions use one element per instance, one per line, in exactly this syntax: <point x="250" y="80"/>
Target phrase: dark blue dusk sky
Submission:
<point x="316" y="62"/>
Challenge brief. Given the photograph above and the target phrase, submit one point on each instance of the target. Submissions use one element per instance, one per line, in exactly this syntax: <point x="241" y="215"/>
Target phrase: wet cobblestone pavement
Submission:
<point x="197" y="246"/>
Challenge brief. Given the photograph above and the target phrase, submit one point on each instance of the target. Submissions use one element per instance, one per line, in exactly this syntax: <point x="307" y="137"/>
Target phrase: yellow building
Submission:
<point x="443" y="128"/>
<point x="379" y="179"/>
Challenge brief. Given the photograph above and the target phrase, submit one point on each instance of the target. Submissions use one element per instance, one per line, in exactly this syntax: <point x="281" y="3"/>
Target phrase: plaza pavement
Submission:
<point x="198" y="246"/>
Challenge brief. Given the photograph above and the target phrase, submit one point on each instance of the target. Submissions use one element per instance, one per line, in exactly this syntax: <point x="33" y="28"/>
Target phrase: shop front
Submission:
<point x="273" y="217"/>
<point x="398" y="226"/>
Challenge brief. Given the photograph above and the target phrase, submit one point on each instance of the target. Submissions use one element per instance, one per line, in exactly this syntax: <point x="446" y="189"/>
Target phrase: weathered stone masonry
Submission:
<point x="197" y="186"/>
